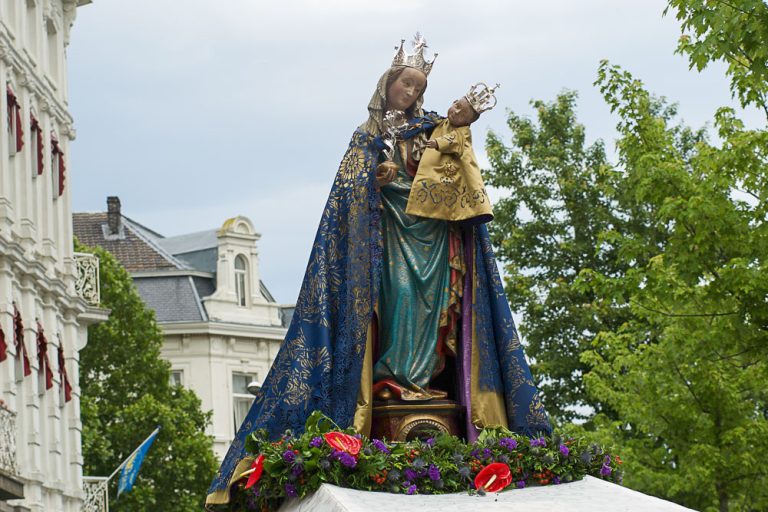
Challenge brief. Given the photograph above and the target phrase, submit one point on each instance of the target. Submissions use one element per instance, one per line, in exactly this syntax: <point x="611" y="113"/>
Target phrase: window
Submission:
<point x="241" y="282"/>
<point x="8" y="14"/>
<point x="13" y="125"/>
<point x="57" y="168"/>
<point x="53" y="50"/>
<point x="32" y="23"/>
<point x="177" y="378"/>
<point x="241" y="398"/>
<point x="36" y="136"/>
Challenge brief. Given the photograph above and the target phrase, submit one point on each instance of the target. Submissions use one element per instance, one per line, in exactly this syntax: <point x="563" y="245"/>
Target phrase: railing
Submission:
<point x="87" y="282"/>
<point x="7" y="441"/>
<point x="96" y="494"/>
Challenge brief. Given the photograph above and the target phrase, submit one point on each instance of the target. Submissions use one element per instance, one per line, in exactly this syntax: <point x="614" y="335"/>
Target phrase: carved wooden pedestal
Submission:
<point x="397" y="420"/>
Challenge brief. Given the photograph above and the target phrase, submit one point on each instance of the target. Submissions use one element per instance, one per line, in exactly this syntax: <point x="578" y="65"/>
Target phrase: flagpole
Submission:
<point x="89" y="504"/>
<point x="132" y="454"/>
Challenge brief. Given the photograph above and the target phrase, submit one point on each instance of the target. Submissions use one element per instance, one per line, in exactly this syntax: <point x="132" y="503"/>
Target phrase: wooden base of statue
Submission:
<point x="398" y="420"/>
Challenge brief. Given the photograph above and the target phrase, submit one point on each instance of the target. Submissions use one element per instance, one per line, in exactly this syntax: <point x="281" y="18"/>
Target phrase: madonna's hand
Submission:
<point x="386" y="172"/>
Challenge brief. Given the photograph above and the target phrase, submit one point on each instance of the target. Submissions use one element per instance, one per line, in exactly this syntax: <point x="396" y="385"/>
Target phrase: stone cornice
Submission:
<point x="224" y="329"/>
<point x="20" y="264"/>
<point x="33" y="80"/>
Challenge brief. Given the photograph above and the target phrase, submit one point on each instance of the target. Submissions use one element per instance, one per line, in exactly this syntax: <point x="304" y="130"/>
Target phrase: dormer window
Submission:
<point x="241" y="281"/>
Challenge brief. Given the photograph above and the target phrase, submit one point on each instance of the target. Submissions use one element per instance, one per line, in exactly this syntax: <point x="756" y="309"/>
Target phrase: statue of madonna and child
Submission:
<point x="401" y="298"/>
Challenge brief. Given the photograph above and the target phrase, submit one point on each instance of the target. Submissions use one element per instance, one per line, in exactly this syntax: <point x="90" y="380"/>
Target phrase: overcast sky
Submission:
<point x="194" y="111"/>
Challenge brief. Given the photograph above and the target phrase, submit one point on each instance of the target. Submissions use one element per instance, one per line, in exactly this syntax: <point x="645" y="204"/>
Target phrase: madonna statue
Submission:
<point x="393" y="304"/>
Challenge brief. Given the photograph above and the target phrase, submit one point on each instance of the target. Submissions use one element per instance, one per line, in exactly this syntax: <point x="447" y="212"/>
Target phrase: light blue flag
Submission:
<point x="133" y="464"/>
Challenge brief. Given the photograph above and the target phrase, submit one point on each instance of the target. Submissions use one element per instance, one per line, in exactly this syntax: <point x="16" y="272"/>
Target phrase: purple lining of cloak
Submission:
<point x="465" y="368"/>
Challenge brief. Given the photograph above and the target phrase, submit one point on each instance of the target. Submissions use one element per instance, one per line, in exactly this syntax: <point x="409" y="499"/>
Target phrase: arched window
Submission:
<point x="241" y="281"/>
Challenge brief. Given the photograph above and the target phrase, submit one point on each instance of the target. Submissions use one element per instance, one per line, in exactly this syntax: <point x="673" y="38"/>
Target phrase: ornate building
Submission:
<point x="48" y="295"/>
<point x="221" y="325"/>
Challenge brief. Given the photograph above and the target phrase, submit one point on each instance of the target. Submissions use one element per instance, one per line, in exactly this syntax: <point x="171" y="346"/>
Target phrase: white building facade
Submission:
<point x="222" y="328"/>
<point x="43" y="285"/>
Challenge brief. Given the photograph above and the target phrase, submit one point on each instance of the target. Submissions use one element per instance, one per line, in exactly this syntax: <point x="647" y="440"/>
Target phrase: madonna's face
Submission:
<point x="403" y="92"/>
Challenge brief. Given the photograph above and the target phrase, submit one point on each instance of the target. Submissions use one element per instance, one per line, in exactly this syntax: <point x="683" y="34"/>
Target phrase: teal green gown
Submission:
<point x="414" y="291"/>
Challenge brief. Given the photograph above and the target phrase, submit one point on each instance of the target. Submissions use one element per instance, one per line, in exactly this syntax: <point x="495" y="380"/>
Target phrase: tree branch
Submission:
<point x="681" y="315"/>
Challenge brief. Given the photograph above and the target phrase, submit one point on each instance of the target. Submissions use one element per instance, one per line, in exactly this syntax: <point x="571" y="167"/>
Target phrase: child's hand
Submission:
<point x="432" y="144"/>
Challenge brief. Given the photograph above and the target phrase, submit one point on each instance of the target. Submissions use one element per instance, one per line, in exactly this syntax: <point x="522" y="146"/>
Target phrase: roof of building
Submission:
<point x="174" y="298"/>
<point x="133" y="246"/>
<point x="191" y="242"/>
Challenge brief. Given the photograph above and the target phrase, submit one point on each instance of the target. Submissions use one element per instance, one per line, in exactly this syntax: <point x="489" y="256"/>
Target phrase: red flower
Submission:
<point x="493" y="477"/>
<point x="256" y="469"/>
<point x="343" y="442"/>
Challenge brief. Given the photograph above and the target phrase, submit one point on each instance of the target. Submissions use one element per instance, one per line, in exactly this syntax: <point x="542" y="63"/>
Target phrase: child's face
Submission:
<point x="461" y="113"/>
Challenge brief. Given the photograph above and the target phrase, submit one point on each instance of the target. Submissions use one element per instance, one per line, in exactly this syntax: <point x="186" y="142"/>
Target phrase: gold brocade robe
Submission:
<point x="448" y="184"/>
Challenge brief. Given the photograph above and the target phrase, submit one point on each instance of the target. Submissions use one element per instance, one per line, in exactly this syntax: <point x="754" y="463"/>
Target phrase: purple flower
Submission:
<point x="409" y="474"/>
<point x="289" y="456"/>
<point x="297" y="470"/>
<point x="290" y="491"/>
<point x="607" y="460"/>
<point x="433" y="472"/>
<point x="411" y="490"/>
<point x="430" y="442"/>
<point x="521" y="484"/>
<point x="487" y="453"/>
<point x="474" y="453"/>
<point x="347" y="460"/>
<point x="555" y="479"/>
<point x="605" y="470"/>
<point x="316" y="442"/>
<point x="538" y="442"/>
<point x="564" y="450"/>
<point x="380" y="445"/>
<point x="508" y="443"/>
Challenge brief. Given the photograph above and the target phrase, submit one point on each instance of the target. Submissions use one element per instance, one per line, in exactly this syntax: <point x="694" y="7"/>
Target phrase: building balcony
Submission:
<point x="96" y="494"/>
<point x="87" y="277"/>
<point x="11" y="487"/>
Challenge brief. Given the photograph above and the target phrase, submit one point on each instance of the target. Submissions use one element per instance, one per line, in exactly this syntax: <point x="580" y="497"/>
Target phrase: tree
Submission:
<point x="733" y="31"/>
<point x="558" y="202"/>
<point x="126" y="393"/>
<point x="687" y="372"/>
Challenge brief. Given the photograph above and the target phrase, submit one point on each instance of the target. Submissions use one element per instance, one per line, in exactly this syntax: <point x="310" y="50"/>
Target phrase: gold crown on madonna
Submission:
<point x="481" y="97"/>
<point x="416" y="59"/>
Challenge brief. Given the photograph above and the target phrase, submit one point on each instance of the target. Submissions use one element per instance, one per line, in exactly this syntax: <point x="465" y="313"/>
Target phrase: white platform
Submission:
<point x="588" y="495"/>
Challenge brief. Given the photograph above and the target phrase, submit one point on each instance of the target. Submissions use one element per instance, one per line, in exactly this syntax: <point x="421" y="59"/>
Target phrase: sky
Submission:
<point x="196" y="111"/>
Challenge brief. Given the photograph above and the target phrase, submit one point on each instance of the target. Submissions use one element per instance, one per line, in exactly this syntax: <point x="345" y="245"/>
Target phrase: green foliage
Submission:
<point x="687" y="372"/>
<point x="126" y="393"/>
<point x="733" y="31"/>
<point x="558" y="201"/>
<point x="295" y="466"/>
<point x="651" y="274"/>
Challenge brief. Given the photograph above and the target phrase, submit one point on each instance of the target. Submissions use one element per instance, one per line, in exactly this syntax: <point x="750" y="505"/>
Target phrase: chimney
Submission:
<point x="114" y="220"/>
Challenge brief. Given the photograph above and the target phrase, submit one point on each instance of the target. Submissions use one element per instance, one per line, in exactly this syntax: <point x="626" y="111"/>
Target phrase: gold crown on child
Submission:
<point x="416" y="59"/>
<point x="481" y="97"/>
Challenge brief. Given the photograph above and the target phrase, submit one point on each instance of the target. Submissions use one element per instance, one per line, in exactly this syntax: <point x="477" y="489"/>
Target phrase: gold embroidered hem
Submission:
<point x="488" y="408"/>
<point x="448" y="184"/>
<point x="221" y="497"/>
<point x="364" y="410"/>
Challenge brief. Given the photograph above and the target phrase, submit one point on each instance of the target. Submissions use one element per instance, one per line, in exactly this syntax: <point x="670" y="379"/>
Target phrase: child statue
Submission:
<point x="448" y="185"/>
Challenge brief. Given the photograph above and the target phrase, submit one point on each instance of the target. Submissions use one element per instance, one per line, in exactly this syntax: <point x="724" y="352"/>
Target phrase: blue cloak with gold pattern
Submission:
<point x="322" y="361"/>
